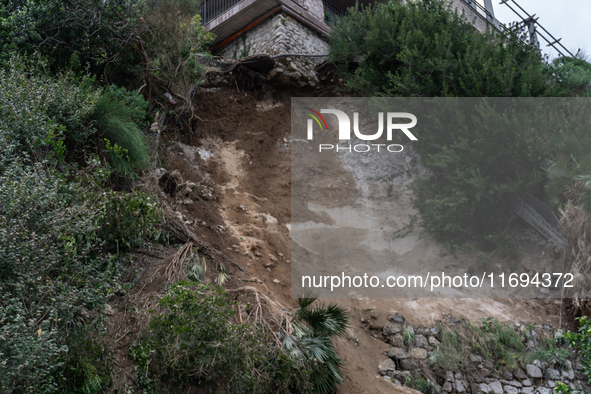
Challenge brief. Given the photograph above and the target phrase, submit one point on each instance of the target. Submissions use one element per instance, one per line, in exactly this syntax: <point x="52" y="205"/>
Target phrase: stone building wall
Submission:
<point x="316" y="7"/>
<point x="278" y="35"/>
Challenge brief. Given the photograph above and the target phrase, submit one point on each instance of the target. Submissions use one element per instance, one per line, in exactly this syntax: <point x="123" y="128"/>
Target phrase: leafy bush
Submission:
<point x="193" y="342"/>
<point x="581" y="341"/>
<point x="574" y="75"/>
<point x="84" y="32"/>
<point x="50" y="276"/>
<point x="65" y="114"/>
<point x="128" y="219"/>
<point x="32" y="103"/>
<point x="424" y="48"/>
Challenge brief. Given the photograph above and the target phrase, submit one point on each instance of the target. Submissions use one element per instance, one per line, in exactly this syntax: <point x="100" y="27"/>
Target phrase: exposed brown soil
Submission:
<point x="238" y="158"/>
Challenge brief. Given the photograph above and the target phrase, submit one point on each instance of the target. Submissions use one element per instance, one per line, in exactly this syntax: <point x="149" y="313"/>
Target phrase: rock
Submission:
<point x="476" y="358"/>
<point x="530" y="344"/>
<point x="461" y="386"/>
<point x="411" y="331"/>
<point x="551" y="384"/>
<point x="277" y="281"/>
<point x="513" y="383"/>
<point x="386" y="366"/>
<point x="540" y="364"/>
<point x="543" y="390"/>
<point x="519" y="374"/>
<point x="568" y="374"/>
<point x="397" y="340"/>
<point x="507" y="375"/>
<point x="449" y="376"/>
<point x="388" y="379"/>
<point x="418" y="353"/>
<point x="496" y="386"/>
<point x="434" y="342"/>
<point x="447" y="387"/>
<point x="526" y="382"/>
<point x="510" y="390"/>
<point x="458" y="376"/>
<point x="392" y="328"/>
<point x="478" y="378"/>
<point x="436" y="330"/>
<point x="396" y="382"/>
<point x="397" y="318"/>
<point x="397" y="353"/>
<point x="533" y="371"/>
<point x="527" y="390"/>
<point x="488" y="365"/>
<point x="568" y="365"/>
<point x="552" y="374"/>
<point x="409" y="364"/>
<point x="421" y="341"/>
<point x="484" y="372"/>
<point x="484" y="388"/>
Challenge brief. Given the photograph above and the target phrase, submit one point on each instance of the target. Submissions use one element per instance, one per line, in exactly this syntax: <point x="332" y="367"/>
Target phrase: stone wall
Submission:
<point x="278" y="35"/>
<point x="481" y="375"/>
<point x="316" y="7"/>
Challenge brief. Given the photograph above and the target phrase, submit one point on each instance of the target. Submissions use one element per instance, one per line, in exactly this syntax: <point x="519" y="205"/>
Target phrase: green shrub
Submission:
<point x="173" y="33"/>
<point x="193" y="343"/>
<point x="425" y="48"/>
<point x="50" y="275"/>
<point x="32" y="103"/>
<point x="128" y="219"/>
<point x="581" y="341"/>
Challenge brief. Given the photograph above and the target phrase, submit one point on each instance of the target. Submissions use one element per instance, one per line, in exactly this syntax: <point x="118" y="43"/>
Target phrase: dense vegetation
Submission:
<point x="425" y="49"/>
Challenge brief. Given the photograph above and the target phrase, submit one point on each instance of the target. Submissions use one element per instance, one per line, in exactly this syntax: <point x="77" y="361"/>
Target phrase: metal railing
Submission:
<point x="332" y="13"/>
<point x="211" y="9"/>
<point x="531" y="22"/>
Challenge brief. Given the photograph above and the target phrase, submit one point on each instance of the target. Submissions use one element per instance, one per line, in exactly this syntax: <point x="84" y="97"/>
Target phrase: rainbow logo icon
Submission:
<point x="316" y="115"/>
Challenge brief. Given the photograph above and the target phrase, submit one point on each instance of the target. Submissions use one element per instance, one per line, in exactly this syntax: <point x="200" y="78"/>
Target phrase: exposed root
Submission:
<point x="179" y="229"/>
<point x="174" y="271"/>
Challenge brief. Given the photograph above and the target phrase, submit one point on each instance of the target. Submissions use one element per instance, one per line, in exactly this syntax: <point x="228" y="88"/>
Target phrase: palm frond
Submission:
<point x="307" y="298"/>
<point x="330" y="320"/>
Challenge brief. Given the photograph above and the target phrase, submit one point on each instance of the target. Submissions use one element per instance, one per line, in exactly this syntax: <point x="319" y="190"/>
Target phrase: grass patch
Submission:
<point x="493" y="340"/>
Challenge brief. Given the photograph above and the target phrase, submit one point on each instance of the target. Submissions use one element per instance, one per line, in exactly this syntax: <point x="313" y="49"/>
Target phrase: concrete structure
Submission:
<point x="275" y="27"/>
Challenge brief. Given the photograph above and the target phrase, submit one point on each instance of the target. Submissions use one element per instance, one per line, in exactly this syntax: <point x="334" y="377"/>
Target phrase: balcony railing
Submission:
<point x="211" y="9"/>
<point x="332" y="13"/>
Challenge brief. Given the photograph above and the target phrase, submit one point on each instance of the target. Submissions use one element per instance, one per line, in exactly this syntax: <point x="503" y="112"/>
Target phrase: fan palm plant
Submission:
<point x="308" y="338"/>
